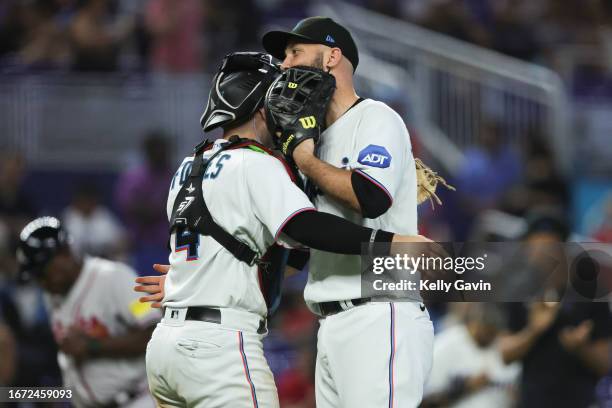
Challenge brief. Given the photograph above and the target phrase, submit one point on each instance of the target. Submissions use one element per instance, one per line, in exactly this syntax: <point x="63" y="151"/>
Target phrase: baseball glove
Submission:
<point x="427" y="182"/>
<point x="295" y="106"/>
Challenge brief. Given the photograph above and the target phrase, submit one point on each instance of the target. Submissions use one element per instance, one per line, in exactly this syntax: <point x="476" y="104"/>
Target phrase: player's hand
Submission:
<point x="542" y="315"/>
<point x="419" y="244"/>
<point x="573" y="338"/>
<point x="153" y="285"/>
<point x="162" y="269"/>
<point x="75" y="344"/>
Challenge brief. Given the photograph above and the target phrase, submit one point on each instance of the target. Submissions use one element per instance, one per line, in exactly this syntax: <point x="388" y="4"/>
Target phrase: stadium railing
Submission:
<point x="454" y="87"/>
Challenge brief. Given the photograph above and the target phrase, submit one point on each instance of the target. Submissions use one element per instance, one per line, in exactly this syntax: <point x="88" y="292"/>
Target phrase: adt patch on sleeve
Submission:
<point x="375" y="156"/>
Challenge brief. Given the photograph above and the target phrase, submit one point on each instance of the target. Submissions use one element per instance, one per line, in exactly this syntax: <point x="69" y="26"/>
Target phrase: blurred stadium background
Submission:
<point x="99" y="100"/>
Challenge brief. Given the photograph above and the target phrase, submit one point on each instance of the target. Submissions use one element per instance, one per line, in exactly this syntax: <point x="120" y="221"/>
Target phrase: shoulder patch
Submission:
<point x="375" y="156"/>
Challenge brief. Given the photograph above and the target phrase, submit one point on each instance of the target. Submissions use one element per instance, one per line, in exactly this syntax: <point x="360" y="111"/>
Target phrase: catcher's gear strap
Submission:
<point x="195" y="217"/>
<point x="298" y="258"/>
<point x="373" y="200"/>
<point x="326" y="232"/>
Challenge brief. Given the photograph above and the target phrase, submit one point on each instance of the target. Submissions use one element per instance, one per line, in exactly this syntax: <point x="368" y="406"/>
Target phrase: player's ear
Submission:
<point x="333" y="58"/>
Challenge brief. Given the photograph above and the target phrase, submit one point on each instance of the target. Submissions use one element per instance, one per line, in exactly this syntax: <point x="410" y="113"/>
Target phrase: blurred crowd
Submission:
<point x="122" y="35"/>
<point x="573" y="37"/>
<point x="139" y="35"/>
<point x="504" y="193"/>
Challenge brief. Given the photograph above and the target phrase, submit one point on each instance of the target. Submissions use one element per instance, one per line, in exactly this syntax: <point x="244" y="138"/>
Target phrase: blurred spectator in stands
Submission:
<point x="468" y="370"/>
<point x="513" y="33"/>
<point x="97" y="36"/>
<point x="452" y="18"/>
<point x="23" y="311"/>
<point x="234" y="25"/>
<point x="297" y="327"/>
<point x="11" y="27"/>
<point x="94" y="229"/>
<point x="603" y="232"/>
<point x="65" y="10"/>
<point x="15" y="207"/>
<point x="489" y="169"/>
<point x="296" y="385"/>
<point x="43" y="44"/>
<point x="542" y="177"/>
<point x="542" y="183"/>
<point x="6" y="252"/>
<point x="287" y="12"/>
<point x="296" y="321"/>
<point x="176" y="28"/>
<point x="388" y="7"/>
<point x="604" y="392"/>
<point x="141" y="196"/>
<point x="8" y="351"/>
<point x="564" y="346"/>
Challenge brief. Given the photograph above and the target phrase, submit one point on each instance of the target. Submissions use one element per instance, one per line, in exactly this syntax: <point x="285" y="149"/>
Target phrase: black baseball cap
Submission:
<point x="313" y="30"/>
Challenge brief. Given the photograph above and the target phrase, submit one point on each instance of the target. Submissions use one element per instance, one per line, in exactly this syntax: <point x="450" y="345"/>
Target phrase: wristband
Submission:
<point x="372" y="241"/>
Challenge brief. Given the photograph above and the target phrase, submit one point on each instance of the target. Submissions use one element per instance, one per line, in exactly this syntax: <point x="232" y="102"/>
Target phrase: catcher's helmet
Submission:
<point x="39" y="242"/>
<point x="238" y="89"/>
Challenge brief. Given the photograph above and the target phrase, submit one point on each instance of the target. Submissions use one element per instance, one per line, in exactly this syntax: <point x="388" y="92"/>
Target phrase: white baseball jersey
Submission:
<point x="102" y="304"/>
<point x="252" y="197"/>
<point x="371" y="139"/>
<point x="456" y="355"/>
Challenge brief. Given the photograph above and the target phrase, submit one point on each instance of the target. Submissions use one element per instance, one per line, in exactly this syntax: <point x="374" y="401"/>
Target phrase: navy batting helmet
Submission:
<point x="39" y="242"/>
<point x="238" y="89"/>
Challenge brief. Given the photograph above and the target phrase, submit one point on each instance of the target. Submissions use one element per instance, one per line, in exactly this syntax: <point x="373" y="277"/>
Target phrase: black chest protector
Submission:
<point x="192" y="218"/>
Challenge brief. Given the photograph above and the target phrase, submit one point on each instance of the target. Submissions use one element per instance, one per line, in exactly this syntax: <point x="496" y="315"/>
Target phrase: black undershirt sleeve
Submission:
<point x="326" y="232"/>
<point x="298" y="258"/>
<point x="373" y="201"/>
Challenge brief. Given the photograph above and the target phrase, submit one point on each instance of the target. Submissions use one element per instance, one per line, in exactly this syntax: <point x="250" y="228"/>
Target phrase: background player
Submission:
<point x="207" y="351"/>
<point x="364" y="171"/>
<point x="100" y="327"/>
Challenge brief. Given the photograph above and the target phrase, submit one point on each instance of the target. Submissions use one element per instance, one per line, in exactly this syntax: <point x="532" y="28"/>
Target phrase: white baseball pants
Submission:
<point x="376" y="355"/>
<point x="208" y="365"/>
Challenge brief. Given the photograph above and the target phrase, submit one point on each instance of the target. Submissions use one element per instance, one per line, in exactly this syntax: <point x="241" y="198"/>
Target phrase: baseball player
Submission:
<point x="370" y="354"/>
<point x="100" y="327"/>
<point x="228" y="205"/>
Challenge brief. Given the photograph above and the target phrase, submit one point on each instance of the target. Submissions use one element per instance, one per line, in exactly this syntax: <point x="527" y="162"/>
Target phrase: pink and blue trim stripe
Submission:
<point x="247" y="373"/>
<point x="392" y="357"/>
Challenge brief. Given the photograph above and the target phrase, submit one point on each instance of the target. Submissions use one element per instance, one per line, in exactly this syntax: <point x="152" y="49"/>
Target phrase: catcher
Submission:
<point x="228" y="206"/>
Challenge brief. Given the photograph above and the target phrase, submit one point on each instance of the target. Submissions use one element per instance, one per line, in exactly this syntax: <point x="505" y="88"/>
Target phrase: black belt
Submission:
<point x="212" y="315"/>
<point x="203" y="314"/>
<point x="330" y="308"/>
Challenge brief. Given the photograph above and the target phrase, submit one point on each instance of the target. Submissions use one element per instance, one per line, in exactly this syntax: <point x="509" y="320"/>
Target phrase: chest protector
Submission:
<point x="191" y="217"/>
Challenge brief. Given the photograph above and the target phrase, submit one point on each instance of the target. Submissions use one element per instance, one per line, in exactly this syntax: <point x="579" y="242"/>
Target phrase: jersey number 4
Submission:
<point x="187" y="241"/>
